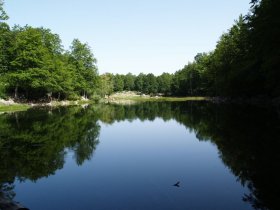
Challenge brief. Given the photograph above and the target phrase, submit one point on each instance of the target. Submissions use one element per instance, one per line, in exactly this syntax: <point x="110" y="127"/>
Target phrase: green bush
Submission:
<point x="3" y="90"/>
<point x="73" y="97"/>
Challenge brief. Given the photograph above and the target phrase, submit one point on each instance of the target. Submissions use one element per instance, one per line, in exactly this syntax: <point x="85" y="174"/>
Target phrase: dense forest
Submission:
<point x="34" y="65"/>
<point x="245" y="63"/>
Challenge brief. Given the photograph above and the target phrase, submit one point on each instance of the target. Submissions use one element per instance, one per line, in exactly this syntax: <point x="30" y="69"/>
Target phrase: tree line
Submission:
<point x="34" y="65"/>
<point x="144" y="83"/>
<point x="245" y="63"/>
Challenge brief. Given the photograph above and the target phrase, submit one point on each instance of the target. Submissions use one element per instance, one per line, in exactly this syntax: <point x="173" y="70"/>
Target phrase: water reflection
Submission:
<point x="33" y="144"/>
<point x="247" y="137"/>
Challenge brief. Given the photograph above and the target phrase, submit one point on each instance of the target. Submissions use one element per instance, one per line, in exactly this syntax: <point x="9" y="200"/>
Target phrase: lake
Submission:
<point x="146" y="156"/>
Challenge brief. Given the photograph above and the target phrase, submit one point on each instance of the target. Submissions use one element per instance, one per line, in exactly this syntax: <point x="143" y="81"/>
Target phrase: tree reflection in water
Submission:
<point x="247" y="137"/>
<point x="33" y="144"/>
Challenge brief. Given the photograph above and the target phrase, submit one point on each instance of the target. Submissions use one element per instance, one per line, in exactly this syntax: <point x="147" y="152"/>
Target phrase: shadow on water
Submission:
<point x="33" y="144"/>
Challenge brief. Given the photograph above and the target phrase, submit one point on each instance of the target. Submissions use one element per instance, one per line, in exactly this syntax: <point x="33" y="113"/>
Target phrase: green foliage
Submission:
<point x="139" y="82"/>
<point x="164" y="83"/>
<point x="264" y="39"/>
<point x="5" y="43"/>
<point x="2" y="89"/>
<point x="118" y="82"/>
<point x="150" y="85"/>
<point x="129" y="80"/>
<point x="245" y="63"/>
<point x="33" y="65"/>
<point x="106" y="84"/>
<point x="3" y="14"/>
<point x="81" y="57"/>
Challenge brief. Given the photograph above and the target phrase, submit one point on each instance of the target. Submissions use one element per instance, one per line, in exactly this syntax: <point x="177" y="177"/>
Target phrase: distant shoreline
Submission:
<point x="138" y="97"/>
<point x="129" y="98"/>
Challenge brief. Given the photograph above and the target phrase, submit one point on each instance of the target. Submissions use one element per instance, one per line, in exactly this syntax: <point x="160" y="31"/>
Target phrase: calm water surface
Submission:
<point x="129" y="157"/>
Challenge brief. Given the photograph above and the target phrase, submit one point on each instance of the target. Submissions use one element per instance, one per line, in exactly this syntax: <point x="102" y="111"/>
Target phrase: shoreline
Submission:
<point x="255" y="101"/>
<point x="11" y="106"/>
<point x="136" y="99"/>
<point x="130" y="99"/>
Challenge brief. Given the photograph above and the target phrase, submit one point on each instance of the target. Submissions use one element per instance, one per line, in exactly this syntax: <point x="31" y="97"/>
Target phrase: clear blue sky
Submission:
<point x="134" y="35"/>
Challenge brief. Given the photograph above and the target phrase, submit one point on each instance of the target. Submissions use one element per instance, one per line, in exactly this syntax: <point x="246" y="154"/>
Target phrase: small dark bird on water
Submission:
<point x="177" y="184"/>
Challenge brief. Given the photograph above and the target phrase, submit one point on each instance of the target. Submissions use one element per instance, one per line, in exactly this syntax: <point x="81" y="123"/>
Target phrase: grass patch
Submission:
<point x="70" y="103"/>
<point x="139" y="98"/>
<point x="14" y="107"/>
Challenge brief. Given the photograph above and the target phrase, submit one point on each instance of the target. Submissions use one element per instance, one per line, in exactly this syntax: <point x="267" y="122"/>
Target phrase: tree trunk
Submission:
<point x="16" y="92"/>
<point x="26" y="93"/>
<point x="84" y="94"/>
<point x="49" y="96"/>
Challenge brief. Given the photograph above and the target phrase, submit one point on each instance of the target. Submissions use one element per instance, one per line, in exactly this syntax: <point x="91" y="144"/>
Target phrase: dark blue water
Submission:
<point x="113" y="157"/>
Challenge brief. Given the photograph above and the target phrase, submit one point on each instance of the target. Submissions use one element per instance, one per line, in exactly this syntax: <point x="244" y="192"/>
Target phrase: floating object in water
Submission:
<point x="177" y="184"/>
